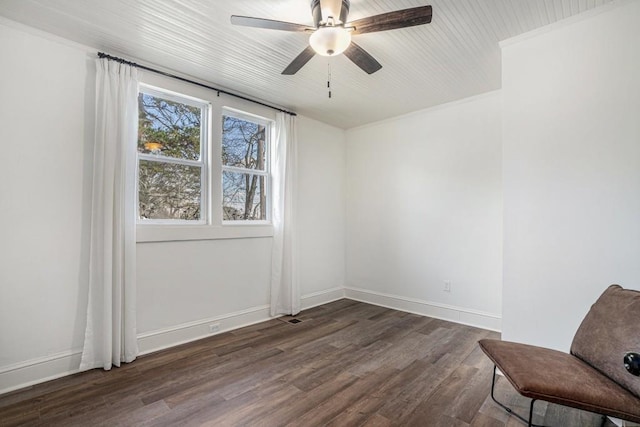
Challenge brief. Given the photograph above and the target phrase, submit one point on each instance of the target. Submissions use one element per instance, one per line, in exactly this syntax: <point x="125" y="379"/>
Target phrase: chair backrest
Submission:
<point x="610" y="331"/>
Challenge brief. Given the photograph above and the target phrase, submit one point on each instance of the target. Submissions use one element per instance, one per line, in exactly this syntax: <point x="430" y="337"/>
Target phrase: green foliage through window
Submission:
<point x="173" y="166"/>
<point x="170" y="154"/>
<point x="172" y="125"/>
<point x="168" y="191"/>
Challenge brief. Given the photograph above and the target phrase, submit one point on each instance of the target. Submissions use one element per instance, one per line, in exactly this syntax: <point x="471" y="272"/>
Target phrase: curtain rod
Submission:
<point x="173" y="76"/>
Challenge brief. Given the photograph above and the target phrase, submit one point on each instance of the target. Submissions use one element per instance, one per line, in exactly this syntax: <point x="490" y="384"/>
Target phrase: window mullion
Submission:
<point x="215" y="166"/>
<point x="244" y="170"/>
<point x="164" y="159"/>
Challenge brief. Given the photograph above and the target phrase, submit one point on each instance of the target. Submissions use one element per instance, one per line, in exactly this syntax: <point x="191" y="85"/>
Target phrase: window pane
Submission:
<point x="243" y="143"/>
<point x="169" y="191"/>
<point x="169" y="128"/>
<point x="243" y="197"/>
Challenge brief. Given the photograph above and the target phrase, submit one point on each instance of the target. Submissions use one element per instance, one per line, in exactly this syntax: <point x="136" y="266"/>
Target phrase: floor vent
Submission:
<point x="290" y="319"/>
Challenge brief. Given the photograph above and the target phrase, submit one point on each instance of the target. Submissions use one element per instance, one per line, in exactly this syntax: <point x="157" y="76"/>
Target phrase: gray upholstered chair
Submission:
<point x="602" y="372"/>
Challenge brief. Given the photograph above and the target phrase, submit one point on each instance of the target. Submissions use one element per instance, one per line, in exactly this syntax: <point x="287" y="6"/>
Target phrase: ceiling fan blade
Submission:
<point x="392" y="20"/>
<point x="299" y="61"/>
<point x="248" y="21"/>
<point x="362" y="59"/>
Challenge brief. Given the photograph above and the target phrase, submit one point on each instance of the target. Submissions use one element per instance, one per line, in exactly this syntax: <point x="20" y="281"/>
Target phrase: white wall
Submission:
<point x="424" y="206"/>
<point x="46" y="132"/>
<point x="571" y="172"/>
<point x="321" y="206"/>
<point x="45" y="119"/>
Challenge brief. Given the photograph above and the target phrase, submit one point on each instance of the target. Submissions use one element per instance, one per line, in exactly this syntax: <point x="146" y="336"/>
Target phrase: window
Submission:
<point x="245" y="145"/>
<point x="203" y="168"/>
<point x="172" y="184"/>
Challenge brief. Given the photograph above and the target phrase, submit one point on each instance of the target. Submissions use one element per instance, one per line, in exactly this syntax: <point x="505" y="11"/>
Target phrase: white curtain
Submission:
<point x="110" y="335"/>
<point x="285" y="286"/>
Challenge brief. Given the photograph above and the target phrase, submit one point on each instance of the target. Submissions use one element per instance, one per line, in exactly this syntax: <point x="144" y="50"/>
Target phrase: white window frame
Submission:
<point x="213" y="228"/>
<point x="203" y="163"/>
<point x="269" y="137"/>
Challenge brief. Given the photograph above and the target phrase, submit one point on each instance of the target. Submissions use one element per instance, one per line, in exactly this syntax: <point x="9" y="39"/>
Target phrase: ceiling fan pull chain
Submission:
<point x="329" y="76"/>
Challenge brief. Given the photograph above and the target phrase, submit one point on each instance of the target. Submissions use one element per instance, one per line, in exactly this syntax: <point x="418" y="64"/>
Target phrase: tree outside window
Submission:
<point x="171" y="163"/>
<point x="173" y="169"/>
<point x="244" y="168"/>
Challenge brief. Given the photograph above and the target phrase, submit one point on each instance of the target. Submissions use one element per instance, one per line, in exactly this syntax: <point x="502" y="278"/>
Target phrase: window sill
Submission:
<point x="176" y="233"/>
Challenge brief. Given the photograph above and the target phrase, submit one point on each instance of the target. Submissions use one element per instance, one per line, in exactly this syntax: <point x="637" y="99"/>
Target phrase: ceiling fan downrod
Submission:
<point x="316" y="12"/>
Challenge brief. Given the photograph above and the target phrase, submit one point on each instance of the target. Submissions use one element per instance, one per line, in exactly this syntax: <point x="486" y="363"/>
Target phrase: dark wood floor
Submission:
<point x="346" y="364"/>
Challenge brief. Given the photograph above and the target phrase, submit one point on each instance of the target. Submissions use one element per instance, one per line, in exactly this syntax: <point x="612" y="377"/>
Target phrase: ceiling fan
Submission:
<point x="332" y="36"/>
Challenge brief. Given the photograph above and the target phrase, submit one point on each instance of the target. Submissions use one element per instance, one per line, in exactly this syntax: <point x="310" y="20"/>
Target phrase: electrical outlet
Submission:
<point x="447" y="286"/>
<point x="214" y="327"/>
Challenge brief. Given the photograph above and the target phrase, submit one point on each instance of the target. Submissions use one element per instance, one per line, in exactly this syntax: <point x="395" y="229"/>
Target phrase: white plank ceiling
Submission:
<point x="454" y="57"/>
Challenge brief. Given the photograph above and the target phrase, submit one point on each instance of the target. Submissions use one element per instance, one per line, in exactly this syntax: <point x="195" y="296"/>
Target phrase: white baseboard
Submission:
<point x="180" y="334"/>
<point x="160" y="339"/>
<point x="322" y="297"/>
<point x="39" y="370"/>
<point x="490" y="321"/>
<point x="35" y="371"/>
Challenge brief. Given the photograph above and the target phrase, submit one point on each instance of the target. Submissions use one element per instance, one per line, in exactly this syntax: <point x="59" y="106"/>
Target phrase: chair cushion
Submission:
<point x="610" y="330"/>
<point x="557" y="377"/>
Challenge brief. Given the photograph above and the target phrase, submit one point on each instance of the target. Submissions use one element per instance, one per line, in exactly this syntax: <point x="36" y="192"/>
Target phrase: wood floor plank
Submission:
<point x="265" y="372"/>
<point x="340" y="360"/>
<point x="214" y="378"/>
<point x="377" y="420"/>
<point x="33" y="393"/>
<point x="81" y="416"/>
<point x="19" y="414"/>
<point x="346" y="364"/>
<point x="251" y="412"/>
<point x="483" y="420"/>
<point x="330" y="408"/>
<point x="314" y="332"/>
<point x="147" y="413"/>
<point x="416" y="390"/>
<point x="467" y="403"/>
<point x="439" y="402"/>
<point x="304" y="403"/>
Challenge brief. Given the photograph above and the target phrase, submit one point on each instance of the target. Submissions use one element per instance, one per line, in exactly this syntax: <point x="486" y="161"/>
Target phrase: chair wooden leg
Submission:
<point x="528" y="422"/>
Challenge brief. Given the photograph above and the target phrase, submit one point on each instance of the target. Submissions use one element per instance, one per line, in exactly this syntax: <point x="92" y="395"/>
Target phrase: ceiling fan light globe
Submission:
<point x="330" y="41"/>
